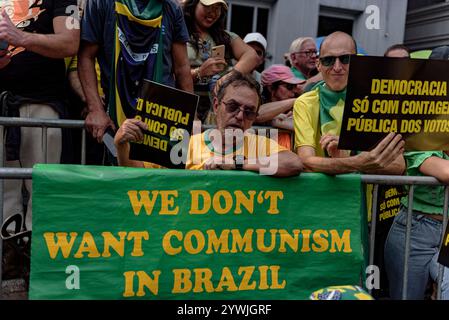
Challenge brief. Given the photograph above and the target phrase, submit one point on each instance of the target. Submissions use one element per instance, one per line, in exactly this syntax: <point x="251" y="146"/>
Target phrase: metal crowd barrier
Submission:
<point x="376" y="180"/>
<point x="16" y="173"/>
<point x="410" y="181"/>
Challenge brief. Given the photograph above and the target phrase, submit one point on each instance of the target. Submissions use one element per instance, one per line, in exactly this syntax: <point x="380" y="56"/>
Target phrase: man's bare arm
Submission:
<point x="282" y="164"/>
<point x="181" y="67"/>
<point x="130" y="130"/>
<point x="97" y="121"/>
<point x="436" y="167"/>
<point x="385" y="158"/>
<point x="313" y="163"/>
<point x="270" y="110"/>
<point x="75" y="84"/>
<point x="63" y="43"/>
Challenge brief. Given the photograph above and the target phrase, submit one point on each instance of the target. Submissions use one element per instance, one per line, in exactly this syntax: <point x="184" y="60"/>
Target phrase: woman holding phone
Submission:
<point x="205" y="21"/>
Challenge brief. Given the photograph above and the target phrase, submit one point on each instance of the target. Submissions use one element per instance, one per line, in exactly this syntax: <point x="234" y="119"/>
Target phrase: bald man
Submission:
<point x="318" y="116"/>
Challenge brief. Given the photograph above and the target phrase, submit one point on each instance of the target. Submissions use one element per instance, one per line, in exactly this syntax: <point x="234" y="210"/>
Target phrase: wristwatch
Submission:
<point x="238" y="161"/>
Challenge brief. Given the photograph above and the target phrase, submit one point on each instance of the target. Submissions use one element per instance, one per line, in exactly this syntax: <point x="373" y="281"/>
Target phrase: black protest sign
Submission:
<point x="169" y="114"/>
<point x="406" y="96"/>
<point x="443" y="258"/>
<point x="388" y="206"/>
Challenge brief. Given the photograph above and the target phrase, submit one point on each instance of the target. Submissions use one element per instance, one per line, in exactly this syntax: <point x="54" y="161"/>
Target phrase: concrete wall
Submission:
<point x="428" y="27"/>
<point x="290" y="19"/>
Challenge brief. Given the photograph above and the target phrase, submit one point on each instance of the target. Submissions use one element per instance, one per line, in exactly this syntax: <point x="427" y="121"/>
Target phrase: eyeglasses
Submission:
<point x="329" y="61"/>
<point x="234" y="108"/>
<point x="309" y="53"/>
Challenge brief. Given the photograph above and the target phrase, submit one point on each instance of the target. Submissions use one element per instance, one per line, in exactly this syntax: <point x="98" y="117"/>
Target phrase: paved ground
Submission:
<point x="14" y="289"/>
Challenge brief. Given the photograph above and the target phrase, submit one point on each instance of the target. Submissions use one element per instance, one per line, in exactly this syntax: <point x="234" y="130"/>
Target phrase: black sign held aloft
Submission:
<point x="402" y="95"/>
<point x="169" y="114"/>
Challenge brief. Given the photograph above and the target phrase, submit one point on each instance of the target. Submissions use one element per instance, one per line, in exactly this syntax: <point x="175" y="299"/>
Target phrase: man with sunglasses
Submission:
<point x="230" y="146"/>
<point x="318" y="115"/>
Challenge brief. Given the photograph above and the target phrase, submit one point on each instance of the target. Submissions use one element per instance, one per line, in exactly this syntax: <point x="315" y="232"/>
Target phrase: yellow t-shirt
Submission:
<point x="306" y="119"/>
<point x="254" y="146"/>
<point x="71" y="64"/>
<point x="306" y="114"/>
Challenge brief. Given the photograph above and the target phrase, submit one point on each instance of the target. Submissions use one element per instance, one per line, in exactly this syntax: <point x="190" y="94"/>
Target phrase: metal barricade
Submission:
<point x="376" y="180"/>
<point x="25" y="173"/>
<point x="411" y="181"/>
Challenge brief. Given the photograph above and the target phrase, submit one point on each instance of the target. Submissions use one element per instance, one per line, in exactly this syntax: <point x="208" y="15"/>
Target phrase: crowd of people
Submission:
<point x="119" y="43"/>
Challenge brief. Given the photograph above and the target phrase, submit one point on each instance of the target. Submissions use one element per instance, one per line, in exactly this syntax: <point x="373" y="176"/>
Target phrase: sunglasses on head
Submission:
<point x="330" y="60"/>
<point x="234" y="108"/>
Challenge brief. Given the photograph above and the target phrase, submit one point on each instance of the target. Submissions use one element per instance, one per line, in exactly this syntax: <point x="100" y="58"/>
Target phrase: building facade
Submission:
<point x="427" y="24"/>
<point x="375" y="24"/>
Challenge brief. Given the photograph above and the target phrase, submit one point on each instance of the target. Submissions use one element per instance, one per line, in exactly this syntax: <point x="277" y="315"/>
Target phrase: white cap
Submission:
<point x="256" y="37"/>
<point x="211" y="2"/>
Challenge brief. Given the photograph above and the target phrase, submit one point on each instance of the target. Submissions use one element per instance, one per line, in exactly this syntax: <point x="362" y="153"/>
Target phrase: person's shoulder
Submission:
<point x="309" y="98"/>
<point x="262" y="141"/>
<point x="197" y="138"/>
<point x="418" y="154"/>
<point x="232" y="34"/>
<point x="100" y="5"/>
<point x="172" y="6"/>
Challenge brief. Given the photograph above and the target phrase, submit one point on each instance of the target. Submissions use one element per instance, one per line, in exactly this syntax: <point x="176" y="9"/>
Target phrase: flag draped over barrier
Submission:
<point x="126" y="233"/>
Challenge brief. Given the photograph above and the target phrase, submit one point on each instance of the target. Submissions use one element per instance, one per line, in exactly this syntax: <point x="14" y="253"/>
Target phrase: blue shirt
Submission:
<point x="98" y="26"/>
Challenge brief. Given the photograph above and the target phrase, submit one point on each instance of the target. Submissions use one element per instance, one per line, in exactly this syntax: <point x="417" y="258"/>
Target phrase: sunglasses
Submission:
<point x="234" y="108"/>
<point x="329" y="61"/>
<point x="288" y="86"/>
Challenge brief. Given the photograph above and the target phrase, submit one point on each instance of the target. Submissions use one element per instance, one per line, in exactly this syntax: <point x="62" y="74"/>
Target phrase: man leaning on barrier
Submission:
<point x="232" y="146"/>
<point x="318" y="116"/>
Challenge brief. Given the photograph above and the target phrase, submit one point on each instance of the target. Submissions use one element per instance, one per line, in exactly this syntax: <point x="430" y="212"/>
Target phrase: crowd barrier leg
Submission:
<point x="441" y="267"/>
<point x="373" y="227"/>
<point x="407" y="241"/>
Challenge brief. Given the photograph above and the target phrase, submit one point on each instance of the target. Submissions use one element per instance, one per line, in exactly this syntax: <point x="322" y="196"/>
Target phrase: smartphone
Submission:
<point x="218" y="52"/>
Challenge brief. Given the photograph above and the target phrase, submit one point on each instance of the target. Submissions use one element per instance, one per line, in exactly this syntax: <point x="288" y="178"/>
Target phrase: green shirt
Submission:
<point x="298" y="74"/>
<point x="427" y="199"/>
<point x="197" y="58"/>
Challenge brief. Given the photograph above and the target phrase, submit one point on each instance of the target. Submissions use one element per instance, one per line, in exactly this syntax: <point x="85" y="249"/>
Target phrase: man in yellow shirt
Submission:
<point x="318" y="116"/>
<point x="232" y="146"/>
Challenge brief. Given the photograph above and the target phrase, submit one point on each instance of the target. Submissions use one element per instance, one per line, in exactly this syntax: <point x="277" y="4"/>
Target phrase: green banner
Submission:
<point x="127" y="233"/>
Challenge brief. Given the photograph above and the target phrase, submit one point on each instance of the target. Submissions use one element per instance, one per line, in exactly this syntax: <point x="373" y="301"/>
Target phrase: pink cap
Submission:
<point x="279" y="72"/>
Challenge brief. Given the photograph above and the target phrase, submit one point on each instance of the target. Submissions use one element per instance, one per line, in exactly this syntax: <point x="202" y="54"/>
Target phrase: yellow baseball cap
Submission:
<point x="211" y="2"/>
